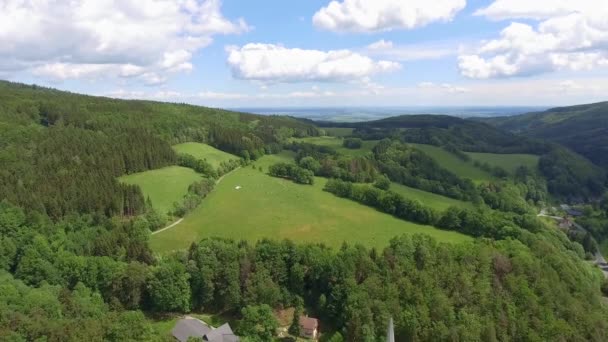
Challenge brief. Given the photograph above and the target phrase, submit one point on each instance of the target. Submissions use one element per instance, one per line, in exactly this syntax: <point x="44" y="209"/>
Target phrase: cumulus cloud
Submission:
<point x="277" y="64"/>
<point x="569" y="35"/>
<point x="404" y="53"/>
<point x="147" y="39"/>
<point x="380" y="45"/>
<point x="443" y="87"/>
<point x="384" y="15"/>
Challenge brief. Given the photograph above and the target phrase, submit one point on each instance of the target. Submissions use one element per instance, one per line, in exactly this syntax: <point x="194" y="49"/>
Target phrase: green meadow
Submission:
<point x="336" y="143"/>
<point x="205" y="152"/>
<point x="268" y="207"/>
<point x="164" y="186"/>
<point x="437" y="202"/>
<point x="456" y="165"/>
<point x="509" y="162"/>
<point x="338" y="131"/>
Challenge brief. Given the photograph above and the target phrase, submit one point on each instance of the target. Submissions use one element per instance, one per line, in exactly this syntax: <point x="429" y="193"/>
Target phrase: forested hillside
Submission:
<point x="582" y="128"/>
<point x="61" y="152"/>
<point x="569" y="175"/>
<point x="76" y="262"/>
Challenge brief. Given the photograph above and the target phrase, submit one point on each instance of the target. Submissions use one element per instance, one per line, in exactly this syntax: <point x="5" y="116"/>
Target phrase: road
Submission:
<point x="181" y="219"/>
<point x="600" y="261"/>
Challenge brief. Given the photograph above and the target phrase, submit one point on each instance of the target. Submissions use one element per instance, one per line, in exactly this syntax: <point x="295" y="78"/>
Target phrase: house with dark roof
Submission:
<point x="309" y="327"/>
<point x="191" y="327"/>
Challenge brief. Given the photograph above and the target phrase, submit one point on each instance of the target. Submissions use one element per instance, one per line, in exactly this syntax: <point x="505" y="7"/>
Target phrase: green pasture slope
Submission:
<point x="336" y="143"/>
<point x="338" y="131"/>
<point x="437" y="202"/>
<point x="456" y="165"/>
<point x="268" y="207"/>
<point x="164" y="186"/>
<point x="204" y="151"/>
<point x="509" y="162"/>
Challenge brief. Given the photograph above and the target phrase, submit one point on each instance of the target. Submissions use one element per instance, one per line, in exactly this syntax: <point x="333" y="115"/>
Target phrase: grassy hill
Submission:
<point x="164" y="186"/>
<point x="451" y="162"/>
<point x="430" y="199"/>
<point x="582" y="128"/>
<point x="205" y="152"/>
<point x="508" y="162"/>
<point x="336" y="144"/>
<point x="267" y="207"/>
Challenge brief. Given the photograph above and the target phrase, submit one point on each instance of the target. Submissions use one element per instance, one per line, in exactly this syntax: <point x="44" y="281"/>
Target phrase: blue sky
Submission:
<point x="236" y="53"/>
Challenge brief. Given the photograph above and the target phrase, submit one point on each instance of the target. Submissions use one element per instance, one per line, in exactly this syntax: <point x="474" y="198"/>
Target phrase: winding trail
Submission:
<point x="169" y="226"/>
<point x="181" y="219"/>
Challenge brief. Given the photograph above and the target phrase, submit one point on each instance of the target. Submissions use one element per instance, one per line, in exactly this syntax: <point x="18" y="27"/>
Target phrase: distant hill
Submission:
<point x="568" y="174"/>
<point x="582" y="128"/>
<point x="444" y="130"/>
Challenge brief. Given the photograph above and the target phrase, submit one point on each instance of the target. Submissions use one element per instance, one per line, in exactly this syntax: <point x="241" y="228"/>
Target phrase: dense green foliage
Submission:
<point x="196" y="193"/>
<point x="582" y="128"/>
<point x="293" y="172"/>
<point x="569" y="175"/>
<point x="483" y="291"/>
<point x="409" y="166"/>
<point x="479" y="222"/>
<point x="61" y="152"/>
<point x="76" y="264"/>
<point x="324" y="161"/>
<point x="352" y="143"/>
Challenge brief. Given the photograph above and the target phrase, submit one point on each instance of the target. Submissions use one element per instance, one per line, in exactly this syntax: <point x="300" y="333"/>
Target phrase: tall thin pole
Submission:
<point x="390" y="334"/>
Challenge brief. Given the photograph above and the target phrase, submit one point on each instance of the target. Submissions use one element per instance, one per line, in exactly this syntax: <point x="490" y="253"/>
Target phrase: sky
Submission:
<point x="277" y="53"/>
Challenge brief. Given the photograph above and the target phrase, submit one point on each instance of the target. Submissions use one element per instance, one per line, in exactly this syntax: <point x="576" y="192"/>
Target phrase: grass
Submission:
<point x="509" y="162"/>
<point x="205" y="152"/>
<point x="429" y="199"/>
<point x="164" y="186"/>
<point x="449" y="161"/>
<point x="267" y="207"/>
<point x="604" y="248"/>
<point x="336" y="143"/>
<point x="338" y="131"/>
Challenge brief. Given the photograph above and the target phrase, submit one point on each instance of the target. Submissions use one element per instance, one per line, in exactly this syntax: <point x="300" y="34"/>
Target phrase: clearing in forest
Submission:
<point x="268" y="207"/>
<point x="164" y="186"/>
<point x="336" y="143"/>
<point x="509" y="162"/>
<point x="205" y="152"/>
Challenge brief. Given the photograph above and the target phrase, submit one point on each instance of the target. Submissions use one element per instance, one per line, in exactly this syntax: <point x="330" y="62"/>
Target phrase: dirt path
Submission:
<point x="169" y="226"/>
<point x="181" y="219"/>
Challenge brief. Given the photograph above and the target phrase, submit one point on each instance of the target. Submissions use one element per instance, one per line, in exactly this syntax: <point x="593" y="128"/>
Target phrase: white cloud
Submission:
<point x="380" y="45"/>
<point x="384" y="15"/>
<point x="404" y="53"/>
<point x="443" y="87"/>
<point x="277" y="64"/>
<point x="571" y="35"/>
<point x="147" y="39"/>
<point x="537" y="9"/>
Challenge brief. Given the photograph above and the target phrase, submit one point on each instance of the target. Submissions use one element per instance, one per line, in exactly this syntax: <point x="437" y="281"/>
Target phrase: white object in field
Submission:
<point x="238" y="187"/>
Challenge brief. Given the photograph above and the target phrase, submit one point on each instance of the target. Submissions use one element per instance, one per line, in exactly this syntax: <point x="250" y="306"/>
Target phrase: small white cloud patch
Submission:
<point x="278" y="64"/>
<point x="384" y="15"/>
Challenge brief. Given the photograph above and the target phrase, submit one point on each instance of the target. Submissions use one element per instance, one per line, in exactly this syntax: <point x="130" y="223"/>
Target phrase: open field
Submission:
<point x="429" y="199"/>
<point x="451" y="162"/>
<point x="164" y="186"/>
<point x="509" y="162"/>
<point x="204" y="151"/>
<point x="336" y="143"/>
<point x="338" y="131"/>
<point x="267" y="207"/>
